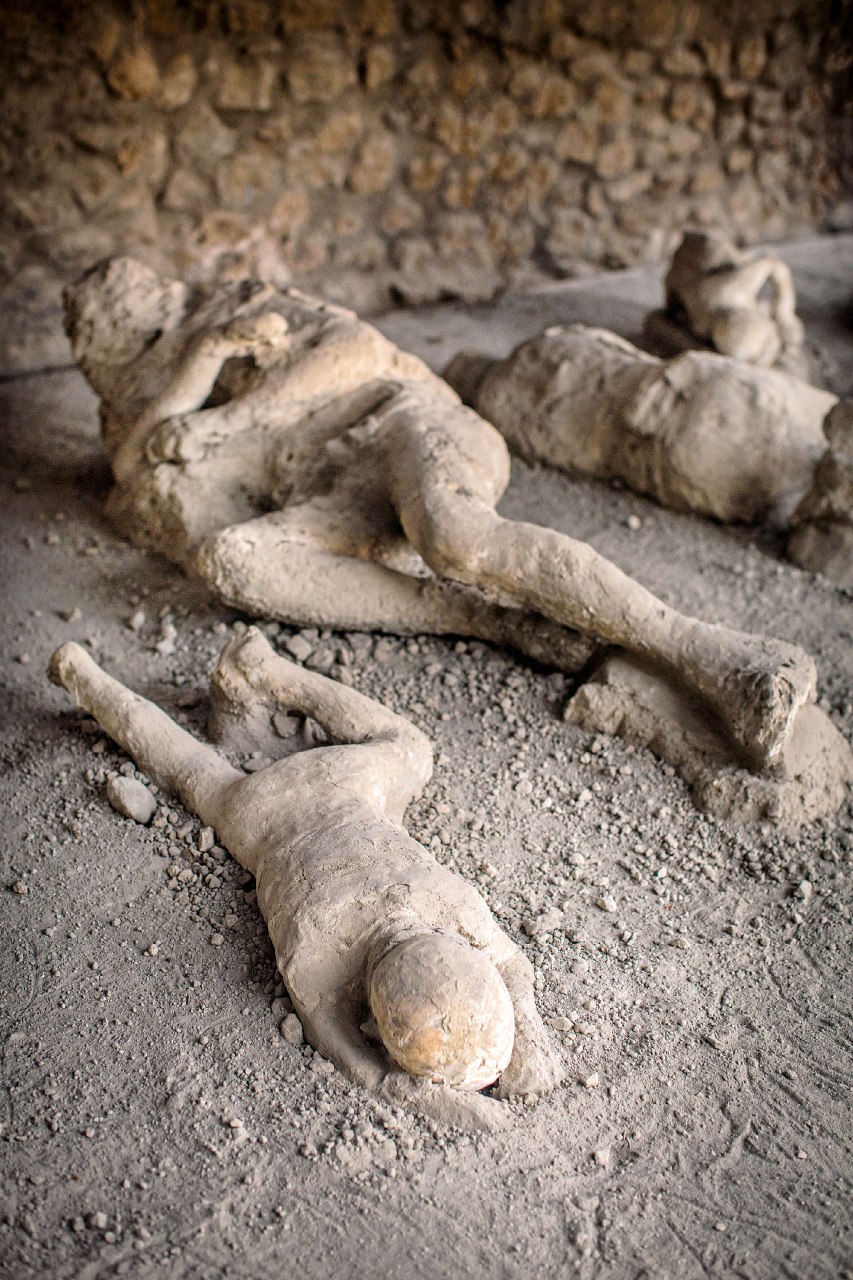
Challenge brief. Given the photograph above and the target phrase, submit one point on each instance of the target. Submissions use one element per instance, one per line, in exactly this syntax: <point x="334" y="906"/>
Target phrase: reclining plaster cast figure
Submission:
<point x="713" y="299"/>
<point x="700" y="432"/>
<point x="378" y="489"/>
<point x="360" y="915"/>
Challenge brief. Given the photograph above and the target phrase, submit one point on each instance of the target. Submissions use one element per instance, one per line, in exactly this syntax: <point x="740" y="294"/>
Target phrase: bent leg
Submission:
<point x="272" y="568"/>
<point x="395" y="758"/>
<point x="173" y="758"/>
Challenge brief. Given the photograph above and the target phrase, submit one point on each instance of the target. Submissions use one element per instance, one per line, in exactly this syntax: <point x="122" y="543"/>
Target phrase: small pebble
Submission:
<point x="590" y="1081"/>
<point x="285" y="724"/>
<point x="607" y="903"/>
<point x="299" y="648"/>
<point x="131" y="798"/>
<point x="291" y="1030"/>
<point x="216" y="939"/>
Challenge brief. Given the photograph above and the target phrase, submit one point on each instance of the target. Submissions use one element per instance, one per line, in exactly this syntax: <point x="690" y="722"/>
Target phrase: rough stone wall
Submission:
<point x="379" y="149"/>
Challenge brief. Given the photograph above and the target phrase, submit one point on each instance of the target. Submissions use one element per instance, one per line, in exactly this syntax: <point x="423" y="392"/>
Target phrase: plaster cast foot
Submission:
<point x="634" y="700"/>
<point x="759" y="695"/>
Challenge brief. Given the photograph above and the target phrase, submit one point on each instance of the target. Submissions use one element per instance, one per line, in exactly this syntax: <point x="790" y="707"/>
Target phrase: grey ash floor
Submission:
<point x="153" y="1121"/>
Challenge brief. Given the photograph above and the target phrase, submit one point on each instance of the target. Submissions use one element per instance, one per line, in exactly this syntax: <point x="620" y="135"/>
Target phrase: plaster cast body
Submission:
<point x="379" y="490"/>
<point x="358" y="912"/>
<point x="700" y="432"/>
<point x="713" y="298"/>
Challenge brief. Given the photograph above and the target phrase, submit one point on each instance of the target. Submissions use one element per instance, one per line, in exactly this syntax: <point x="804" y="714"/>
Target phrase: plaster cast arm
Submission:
<point x="727" y="310"/>
<point x="261" y="337"/>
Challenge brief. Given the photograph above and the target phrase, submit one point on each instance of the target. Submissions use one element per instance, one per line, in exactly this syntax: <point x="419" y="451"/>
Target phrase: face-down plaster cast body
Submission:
<point x="715" y="298"/>
<point x="378" y="490"/>
<point x="699" y="432"/>
<point x="362" y="918"/>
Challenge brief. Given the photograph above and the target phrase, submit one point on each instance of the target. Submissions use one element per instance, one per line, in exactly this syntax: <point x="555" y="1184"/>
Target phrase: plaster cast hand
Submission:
<point x="264" y="337"/>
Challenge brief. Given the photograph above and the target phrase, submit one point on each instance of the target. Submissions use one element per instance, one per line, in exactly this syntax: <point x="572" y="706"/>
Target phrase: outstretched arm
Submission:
<point x="173" y="758"/>
<point x="332" y="1028"/>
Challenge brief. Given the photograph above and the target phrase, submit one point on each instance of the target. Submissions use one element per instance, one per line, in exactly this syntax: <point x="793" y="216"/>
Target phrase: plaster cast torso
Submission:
<point x="326" y="884"/>
<point x="271" y="433"/>
<point x="701" y="432"/>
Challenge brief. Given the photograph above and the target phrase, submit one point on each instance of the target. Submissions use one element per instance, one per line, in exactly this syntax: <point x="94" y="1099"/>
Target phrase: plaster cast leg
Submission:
<point x="264" y="567"/>
<point x="248" y="673"/>
<point x="755" y="685"/>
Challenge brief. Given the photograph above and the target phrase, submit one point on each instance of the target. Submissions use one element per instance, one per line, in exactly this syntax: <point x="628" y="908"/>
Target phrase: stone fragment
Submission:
<point x="629" y="187"/>
<point x="290" y="212"/>
<point x="101" y="34"/>
<point x="133" y="73"/>
<point x="246" y="179"/>
<point x="547" y="922"/>
<point x="246" y="85"/>
<point x="554" y="98"/>
<point x="202" y="137"/>
<point x="291" y="1030"/>
<point x="426" y="169"/>
<point x="751" y="55"/>
<point x="590" y="66"/>
<point x="615" y="158"/>
<point x="131" y="798"/>
<point x="578" y="140"/>
<point x="612" y="99"/>
<point x="380" y="65"/>
<point x="679" y="60"/>
<point x="321" y="69"/>
<point x="307" y="15"/>
<point x="177" y="83"/>
<point x="401" y="213"/>
<point x="340" y="131"/>
<point x="374" y="166"/>
<point x="186" y="191"/>
<point x="298" y="647"/>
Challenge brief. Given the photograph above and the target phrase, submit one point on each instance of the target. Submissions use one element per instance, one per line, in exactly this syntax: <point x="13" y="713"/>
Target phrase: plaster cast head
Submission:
<point x="442" y="1010"/>
<point x="705" y="251"/>
<point x="116" y="310"/>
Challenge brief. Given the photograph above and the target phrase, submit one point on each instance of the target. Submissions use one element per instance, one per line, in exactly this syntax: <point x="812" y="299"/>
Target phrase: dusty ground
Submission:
<point x="155" y="1123"/>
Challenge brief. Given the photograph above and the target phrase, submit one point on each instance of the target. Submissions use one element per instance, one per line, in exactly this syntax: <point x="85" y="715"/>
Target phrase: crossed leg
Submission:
<point x="287" y="566"/>
<point x="754" y="685"/>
